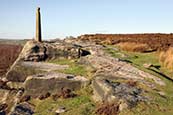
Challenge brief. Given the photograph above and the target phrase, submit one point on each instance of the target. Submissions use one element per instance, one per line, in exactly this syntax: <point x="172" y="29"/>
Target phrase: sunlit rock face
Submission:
<point x="35" y="51"/>
<point x="53" y="83"/>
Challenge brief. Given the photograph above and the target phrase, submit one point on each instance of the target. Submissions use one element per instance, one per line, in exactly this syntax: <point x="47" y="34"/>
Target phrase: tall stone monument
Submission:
<point x="38" y="25"/>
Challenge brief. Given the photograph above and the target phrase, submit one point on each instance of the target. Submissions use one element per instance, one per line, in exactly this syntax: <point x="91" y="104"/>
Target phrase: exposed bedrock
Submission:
<point x="35" y="51"/>
<point x="53" y="83"/>
<point x="107" y="91"/>
<point x="116" y="68"/>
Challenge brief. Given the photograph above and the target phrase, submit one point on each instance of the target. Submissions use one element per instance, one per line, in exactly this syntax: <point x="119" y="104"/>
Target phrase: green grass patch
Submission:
<point x="79" y="105"/>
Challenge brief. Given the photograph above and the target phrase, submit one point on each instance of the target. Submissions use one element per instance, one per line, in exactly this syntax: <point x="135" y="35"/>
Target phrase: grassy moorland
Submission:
<point x="13" y="41"/>
<point x="156" y="41"/>
<point x="9" y="51"/>
<point x="8" y="54"/>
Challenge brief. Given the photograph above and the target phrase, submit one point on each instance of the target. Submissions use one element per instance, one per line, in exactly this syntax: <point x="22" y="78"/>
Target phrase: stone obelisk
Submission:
<point x="38" y="25"/>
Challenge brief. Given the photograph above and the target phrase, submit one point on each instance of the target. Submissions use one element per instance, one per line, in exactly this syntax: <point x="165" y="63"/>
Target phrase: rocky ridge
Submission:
<point x="37" y="77"/>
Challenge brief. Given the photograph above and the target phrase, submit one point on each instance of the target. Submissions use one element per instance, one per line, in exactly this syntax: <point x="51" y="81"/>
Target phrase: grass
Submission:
<point x="135" y="57"/>
<point x="134" y="47"/>
<point x="74" y="67"/>
<point x="158" y="105"/>
<point x="166" y="59"/>
<point x="82" y="104"/>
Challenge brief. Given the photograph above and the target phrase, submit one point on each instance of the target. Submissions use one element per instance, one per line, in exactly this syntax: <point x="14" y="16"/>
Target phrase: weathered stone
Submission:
<point x="23" y="109"/>
<point x="162" y="94"/>
<point x="60" y="110"/>
<point x="44" y="66"/>
<point x="23" y="69"/>
<point x="34" y="51"/>
<point x="53" y="82"/>
<point x="25" y="98"/>
<point x="15" y="85"/>
<point x="44" y="96"/>
<point x="122" y="105"/>
<point x="147" y="65"/>
<point x="116" y="68"/>
<point x="107" y="91"/>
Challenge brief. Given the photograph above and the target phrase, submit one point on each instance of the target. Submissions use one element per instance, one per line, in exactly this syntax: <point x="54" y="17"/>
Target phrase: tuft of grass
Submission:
<point x="166" y="59"/>
<point x="134" y="47"/>
<point x="76" y="70"/>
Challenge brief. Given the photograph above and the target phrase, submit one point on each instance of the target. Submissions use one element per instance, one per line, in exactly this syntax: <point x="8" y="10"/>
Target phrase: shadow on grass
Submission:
<point x="165" y="76"/>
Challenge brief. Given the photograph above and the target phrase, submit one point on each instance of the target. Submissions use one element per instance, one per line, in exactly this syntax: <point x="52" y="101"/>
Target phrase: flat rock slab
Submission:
<point x="44" y="66"/>
<point x="107" y="65"/>
<point x="53" y="83"/>
<point x="108" y="91"/>
<point x="23" y="69"/>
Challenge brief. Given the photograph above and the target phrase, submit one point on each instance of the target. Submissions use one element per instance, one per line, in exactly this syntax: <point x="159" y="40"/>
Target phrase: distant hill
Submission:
<point x="13" y="41"/>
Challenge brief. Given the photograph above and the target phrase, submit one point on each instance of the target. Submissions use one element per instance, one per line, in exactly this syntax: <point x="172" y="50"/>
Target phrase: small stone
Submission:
<point x="19" y="93"/>
<point x="44" y="96"/>
<point x="122" y="105"/>
<point x="161" y="94"/>
<point x="60" y="110"/>
<point x="25" y="98"/>
<point x="147" y="65"/>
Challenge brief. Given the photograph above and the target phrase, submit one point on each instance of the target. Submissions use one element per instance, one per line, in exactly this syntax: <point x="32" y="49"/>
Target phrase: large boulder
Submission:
<point x="107" y="91"/>
<point x="36" y="51"/>
<point x="53" y="83"/>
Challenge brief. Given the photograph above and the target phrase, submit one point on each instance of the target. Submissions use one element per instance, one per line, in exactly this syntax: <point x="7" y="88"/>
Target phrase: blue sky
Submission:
<point x="61" y="18"/>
